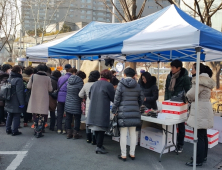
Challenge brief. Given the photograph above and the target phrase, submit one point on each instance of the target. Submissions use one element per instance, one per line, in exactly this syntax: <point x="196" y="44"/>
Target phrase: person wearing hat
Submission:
<point x="62" y="86"/>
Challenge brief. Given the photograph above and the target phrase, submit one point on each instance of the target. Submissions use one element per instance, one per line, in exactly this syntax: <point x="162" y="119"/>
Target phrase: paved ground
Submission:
<point x="55" y="152"/>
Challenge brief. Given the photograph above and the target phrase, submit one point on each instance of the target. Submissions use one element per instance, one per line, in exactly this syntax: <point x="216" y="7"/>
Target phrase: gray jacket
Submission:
<point x="18" y="97"/>
<point x="73" y="101"/>
<point x="128" y="99"/>
<point x="101" y="93"/>
<point x="84" y="93"/>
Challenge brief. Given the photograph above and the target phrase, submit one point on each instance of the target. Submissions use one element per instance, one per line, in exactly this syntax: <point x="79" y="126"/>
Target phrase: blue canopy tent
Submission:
<point x="161" y="37"/>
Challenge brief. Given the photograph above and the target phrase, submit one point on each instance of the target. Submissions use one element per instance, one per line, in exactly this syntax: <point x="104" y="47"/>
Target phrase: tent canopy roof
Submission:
<point x="163" y="36"/>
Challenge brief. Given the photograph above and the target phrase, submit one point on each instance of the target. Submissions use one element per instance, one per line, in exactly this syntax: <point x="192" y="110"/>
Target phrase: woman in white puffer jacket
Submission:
<point x="205" y="114"/>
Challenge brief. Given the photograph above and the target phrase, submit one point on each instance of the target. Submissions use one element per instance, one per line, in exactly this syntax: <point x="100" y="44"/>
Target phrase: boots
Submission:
<point x="69" y="133"/>
<point x="93" y="140"/>
<point x="76" y="135"/>
<point x="89" y="137"/>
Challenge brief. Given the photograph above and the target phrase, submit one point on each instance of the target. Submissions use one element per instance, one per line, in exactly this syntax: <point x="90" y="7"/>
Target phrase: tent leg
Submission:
<point x="198" y="50"/>
<point x="72" y="63"/>
<point x="99" y="65"/>
<point x="78" y="63"/>
<point x="158" y="75"/>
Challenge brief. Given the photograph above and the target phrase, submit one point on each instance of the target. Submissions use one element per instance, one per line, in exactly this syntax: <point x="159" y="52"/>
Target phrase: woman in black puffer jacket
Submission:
<point x="127" y="102"/>
<point x="150" y="90"/>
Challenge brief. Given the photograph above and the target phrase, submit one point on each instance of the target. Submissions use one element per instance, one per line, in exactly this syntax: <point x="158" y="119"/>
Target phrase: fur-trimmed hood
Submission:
<point x="205" y="81"/>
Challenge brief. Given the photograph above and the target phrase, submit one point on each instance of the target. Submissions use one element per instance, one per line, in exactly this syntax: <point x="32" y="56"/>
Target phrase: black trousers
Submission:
<point x="2" y="114"/>
<point x="77" y="121"/>
<point x="27" y="116"/>
<point x="60" y="113"/>
<point x="202" y="145"/>
<point x="181" y="134"/>
<point x="15" y="118"/>
<point x="99" y="138"/>
<point x="52" y="119"/>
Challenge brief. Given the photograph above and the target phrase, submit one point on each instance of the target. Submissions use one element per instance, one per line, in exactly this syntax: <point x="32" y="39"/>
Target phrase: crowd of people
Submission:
<point x="37" y="91"/>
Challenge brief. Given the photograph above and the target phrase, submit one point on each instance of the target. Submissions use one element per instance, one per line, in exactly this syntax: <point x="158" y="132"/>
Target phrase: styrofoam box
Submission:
<point x="174" y="112"/>
<point x="174" y="106"/>
<point x="173" y="116"/>
<point x="213" y="137"/>
<point x="217" y="126"/>
<point x="117" y="139"/>
<point x="154" y="139"/>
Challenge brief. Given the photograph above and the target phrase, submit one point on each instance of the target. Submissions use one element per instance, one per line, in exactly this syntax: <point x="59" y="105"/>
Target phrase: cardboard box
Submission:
<point x="117" y="139"/>
<point x="174" y="106"/>
<point x="154" y="138"/>
<point x="172" y="116"/>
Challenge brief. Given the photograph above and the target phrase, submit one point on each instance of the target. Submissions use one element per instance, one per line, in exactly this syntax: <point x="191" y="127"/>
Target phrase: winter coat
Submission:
<point x="205" y="114"/>
<point x="73" y="101"/>
<point x="40" y="88"/>
<point x="128" y="99"/>
<point x="101" y="93"/>
<point x="63" y="90"/>
<point x="85" y="93"/>
<point x="52" y="101"/>
<point x="18" y="94"/>
<point x="182" y="83"/>
<point x="151" y="93"/>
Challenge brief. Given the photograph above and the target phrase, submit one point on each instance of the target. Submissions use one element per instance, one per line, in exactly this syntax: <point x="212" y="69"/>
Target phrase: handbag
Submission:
<point x="181" y="97"/>
<point x="114" y="129"/>
<point x="56" y="92"/>
<point x="83" y="106"/>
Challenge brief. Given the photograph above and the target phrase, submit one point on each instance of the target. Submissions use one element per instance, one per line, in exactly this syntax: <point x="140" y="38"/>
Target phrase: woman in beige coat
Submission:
<point x="39" y="100"/>
<point x="205" y="113"/>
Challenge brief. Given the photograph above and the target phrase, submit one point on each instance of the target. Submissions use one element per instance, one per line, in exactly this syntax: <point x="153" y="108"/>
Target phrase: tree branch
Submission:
<point x="216" y="10"/>
<point x="156" y="1"/>
<point x="190" y="7"/>
<point x="118" y="10"/>
<point x="198" y="8"/>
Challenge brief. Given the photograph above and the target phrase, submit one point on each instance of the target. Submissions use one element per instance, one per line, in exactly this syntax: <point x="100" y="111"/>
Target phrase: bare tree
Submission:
<point x="8" y="24"/>
<point x="204" y="11"/>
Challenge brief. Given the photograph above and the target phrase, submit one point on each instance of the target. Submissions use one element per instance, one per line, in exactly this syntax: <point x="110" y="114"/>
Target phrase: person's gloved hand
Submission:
<point x="22" y="106"/>
<point x="25" y="90"/>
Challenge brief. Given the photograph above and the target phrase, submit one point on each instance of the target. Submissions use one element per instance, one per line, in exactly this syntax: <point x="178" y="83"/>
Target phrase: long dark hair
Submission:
<point x="148" y="78"/>
<point x="204" y="69"/>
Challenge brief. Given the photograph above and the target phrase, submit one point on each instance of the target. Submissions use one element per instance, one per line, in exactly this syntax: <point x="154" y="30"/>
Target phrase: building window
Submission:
<point x="94" y="18"/>
<point x="71" y="10"/>
<point x="89" y="12"/>
<point x="89" y="6"/>
<point x="83" y="0"/>
<point x="70" y="15"/>
<point x="88" y="17"/>
<point x="82" y="17"/>
<point x="88" y="1"/>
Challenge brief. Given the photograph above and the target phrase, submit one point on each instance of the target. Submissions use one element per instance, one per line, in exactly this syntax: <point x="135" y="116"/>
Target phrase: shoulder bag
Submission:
<point x="56" y="92"/>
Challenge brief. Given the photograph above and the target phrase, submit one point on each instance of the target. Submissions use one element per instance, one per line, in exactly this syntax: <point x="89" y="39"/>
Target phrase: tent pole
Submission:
<point x="99" y="65"/>
<point x="170" y="54"/>
<point x="158" y="75"/>
<point x="72" y="62"/>
<point x="198" y="50"/>
<point x="78" y="63"/>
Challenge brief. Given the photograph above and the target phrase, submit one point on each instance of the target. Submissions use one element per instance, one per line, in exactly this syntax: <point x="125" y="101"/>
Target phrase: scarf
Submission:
<point x="173" y="80"/>
<point x="103" y="79"/>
